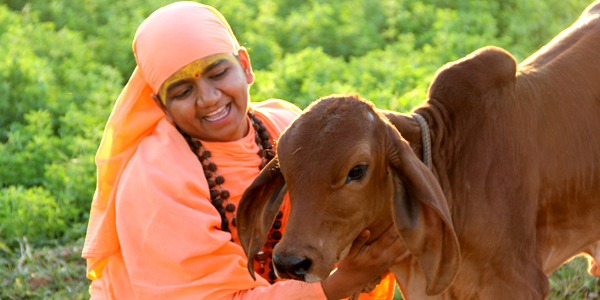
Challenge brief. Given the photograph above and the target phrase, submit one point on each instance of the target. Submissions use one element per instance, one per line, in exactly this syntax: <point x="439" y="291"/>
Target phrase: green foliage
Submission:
<point x="29" y="212"/>
<point x="64" y="63"/>
<point x="55" y="100"/>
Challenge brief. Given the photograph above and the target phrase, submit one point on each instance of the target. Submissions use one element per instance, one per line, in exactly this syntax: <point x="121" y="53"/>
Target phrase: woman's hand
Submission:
<point x="364" y="263"/>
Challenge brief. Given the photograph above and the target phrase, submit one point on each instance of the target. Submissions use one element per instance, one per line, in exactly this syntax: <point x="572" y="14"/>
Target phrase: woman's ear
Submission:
<point x="162" y="106"/>
<point x="246" y="65"/>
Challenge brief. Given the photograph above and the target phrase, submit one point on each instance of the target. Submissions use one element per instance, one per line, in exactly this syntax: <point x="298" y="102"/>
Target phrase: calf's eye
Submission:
<point x="356" y="173"/>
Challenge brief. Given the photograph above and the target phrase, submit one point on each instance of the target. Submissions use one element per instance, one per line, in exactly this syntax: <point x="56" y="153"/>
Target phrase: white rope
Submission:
<point x="426" y="137"/>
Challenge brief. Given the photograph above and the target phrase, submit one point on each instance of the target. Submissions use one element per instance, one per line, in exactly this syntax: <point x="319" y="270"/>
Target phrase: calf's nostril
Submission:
<point x="292" y="267"/>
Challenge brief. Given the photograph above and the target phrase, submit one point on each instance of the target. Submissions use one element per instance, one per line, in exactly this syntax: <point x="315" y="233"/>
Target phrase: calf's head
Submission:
<point x="346" y="169"/>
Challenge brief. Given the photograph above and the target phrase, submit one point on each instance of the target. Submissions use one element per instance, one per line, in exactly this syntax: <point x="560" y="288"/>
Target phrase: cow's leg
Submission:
<point x="481" y="282"/>
<point x="593" y="254"/>
<point x="411" y="281"/>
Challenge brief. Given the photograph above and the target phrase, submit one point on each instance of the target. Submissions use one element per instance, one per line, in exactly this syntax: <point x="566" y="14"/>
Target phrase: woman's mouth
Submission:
<point x="218" y="114"/>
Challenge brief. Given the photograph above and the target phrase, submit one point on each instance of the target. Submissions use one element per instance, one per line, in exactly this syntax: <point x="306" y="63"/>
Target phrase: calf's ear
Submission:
<point x="258" y="209"/>
<point x="422" y="217"/>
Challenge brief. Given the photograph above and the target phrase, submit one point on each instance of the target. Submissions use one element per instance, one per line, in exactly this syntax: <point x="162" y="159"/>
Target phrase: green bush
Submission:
<point x="31" y="213"/>
<point x="55" y="100"/>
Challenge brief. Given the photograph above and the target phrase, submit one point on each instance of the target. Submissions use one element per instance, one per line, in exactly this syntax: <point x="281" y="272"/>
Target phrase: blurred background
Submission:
<point x="63" y="64"/>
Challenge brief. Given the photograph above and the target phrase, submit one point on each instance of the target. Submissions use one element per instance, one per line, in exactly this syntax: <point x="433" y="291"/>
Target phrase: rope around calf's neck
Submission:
<point x="426" y="138"/>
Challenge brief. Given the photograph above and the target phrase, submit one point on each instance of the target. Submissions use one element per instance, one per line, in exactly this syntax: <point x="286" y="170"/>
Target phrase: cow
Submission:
<point x="510" y="193"/>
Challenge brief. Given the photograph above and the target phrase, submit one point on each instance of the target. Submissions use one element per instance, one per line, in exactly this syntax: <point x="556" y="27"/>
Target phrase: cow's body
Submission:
<point x="518" y="158"/>
<point x="516" y="153"/>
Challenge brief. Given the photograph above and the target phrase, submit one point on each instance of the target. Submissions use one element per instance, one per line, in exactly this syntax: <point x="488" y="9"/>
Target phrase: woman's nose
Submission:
<point x="209" y="94"/>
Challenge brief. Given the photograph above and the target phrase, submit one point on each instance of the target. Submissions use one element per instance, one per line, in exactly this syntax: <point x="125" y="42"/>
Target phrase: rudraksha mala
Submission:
<point x="220" y="197"/>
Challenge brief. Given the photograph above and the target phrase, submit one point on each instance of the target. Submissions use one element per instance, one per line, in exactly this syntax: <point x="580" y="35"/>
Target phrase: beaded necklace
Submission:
<point x="220" y="197"/>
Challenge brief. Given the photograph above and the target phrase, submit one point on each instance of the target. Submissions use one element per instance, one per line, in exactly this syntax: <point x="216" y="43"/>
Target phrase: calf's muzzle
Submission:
<point x="291" y="267"/>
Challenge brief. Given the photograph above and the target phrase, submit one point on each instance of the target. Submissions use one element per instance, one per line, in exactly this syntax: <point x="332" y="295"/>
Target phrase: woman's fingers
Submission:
<point x="388" y="237"/>
<point x="359" y="242"/>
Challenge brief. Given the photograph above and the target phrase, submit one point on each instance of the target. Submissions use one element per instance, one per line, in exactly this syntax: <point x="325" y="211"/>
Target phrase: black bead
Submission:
<point x="224" y="194"/>
<point x="224" y="222"/>
<point x="270" y="154"/>
<point x="206" y="154"/>
<point x="200" y="158"/>
<point x="219" y="180"/>
<point x="274" y="244"/>
<point x="230" y="207"/>
<point x="262" y="127"/>
<point x="262" y="165"/>
<point x="213" y="194"/>
<point x="196" y="144"/>
<point x="211" y="183"/>
<point x="234" y="222"/>
<point x="218" y="203"/>
<point x="262" y="256"/>
<point x="251" y="113"/>
<point x="272" y="275"/>
<point x="257" y="140"/>
<point x="272" y="282"/>
<point x="261" y="153"/>
<point x="207" y="174"/>
<point x="267" y="145"/>
<point x="212" y="167"/>
<point x="276" y="235"/>
<point x="222" y="211"/>
<point x="276" y="224"/>
<point x="264" y="135"/>
<point x="256" y="120"/>
<point x="279" y="215"/>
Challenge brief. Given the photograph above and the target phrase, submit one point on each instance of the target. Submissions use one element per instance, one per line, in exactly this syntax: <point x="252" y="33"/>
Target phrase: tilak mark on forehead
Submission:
<point x="193" y="71"/>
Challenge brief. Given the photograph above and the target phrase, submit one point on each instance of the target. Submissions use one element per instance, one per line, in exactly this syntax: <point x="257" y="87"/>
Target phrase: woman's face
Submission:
<point x="211" y="105"/>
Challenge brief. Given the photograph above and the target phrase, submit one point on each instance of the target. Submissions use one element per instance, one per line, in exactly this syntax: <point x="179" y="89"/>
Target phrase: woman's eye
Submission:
<point x="356" y="173"/>
<point x="183" y="93"/>
<point x="219" y="74"/>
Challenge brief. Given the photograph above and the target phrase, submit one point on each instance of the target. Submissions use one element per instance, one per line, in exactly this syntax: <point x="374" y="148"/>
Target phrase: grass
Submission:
<point x="572" y="281"/>
<point x="51" y="272"/>
<point x="58" y="272"/>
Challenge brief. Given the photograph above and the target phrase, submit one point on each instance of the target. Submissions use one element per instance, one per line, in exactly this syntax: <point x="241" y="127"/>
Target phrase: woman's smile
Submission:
<point x="218" y="114"/>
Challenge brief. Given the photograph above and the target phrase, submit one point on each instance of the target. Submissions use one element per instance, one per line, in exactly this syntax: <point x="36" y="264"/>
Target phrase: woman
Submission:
<point x="180" y="147"/>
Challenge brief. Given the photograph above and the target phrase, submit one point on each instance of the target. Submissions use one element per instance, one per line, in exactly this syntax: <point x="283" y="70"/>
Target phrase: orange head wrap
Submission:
<point x="168" y="40"/>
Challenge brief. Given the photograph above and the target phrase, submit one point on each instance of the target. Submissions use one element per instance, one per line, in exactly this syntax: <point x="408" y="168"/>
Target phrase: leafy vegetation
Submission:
<point x="64" y="63"/>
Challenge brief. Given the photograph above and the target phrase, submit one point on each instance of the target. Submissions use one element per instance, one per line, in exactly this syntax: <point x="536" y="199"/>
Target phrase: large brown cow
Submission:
<point x="513" y="191"/>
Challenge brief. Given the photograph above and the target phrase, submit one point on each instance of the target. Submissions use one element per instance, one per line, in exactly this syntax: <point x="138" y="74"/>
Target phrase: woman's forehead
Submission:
<point x="194" y="70"/>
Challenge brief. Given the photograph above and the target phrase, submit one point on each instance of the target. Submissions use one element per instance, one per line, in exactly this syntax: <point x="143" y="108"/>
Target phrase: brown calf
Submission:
<point x="513" y="193"/>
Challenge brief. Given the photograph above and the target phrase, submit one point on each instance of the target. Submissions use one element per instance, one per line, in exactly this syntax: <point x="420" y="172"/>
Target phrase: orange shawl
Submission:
<point x="166" y="41"/>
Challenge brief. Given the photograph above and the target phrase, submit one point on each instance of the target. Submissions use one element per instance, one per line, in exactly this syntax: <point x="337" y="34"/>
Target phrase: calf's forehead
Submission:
<point x="328" y="136"/>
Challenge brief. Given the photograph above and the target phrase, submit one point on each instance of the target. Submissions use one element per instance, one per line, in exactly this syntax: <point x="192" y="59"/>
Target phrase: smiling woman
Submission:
<point x="182" y="144"/>
<point x="210" y="102"/>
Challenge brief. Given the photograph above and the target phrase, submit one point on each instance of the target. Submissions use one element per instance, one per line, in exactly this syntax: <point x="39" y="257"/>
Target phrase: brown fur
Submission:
<point x="513" y="194"/>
